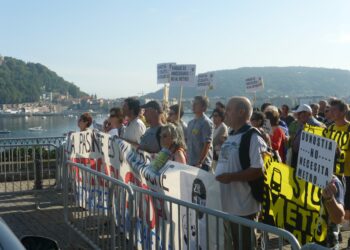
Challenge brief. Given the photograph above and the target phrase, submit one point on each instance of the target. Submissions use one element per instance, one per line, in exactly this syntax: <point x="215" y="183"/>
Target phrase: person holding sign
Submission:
<point x="333" y="201"/>
<point x="304" y="116"/>
<point x="236" y="192"/>
<point x="200" y="136"/>
<point x="338" y="110"/>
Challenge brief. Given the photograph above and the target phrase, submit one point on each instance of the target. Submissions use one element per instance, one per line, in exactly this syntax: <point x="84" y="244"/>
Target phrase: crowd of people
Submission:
<point x="213" y="143"/>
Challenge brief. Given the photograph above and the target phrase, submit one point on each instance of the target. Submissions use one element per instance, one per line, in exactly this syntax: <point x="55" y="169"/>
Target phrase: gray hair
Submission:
<point x="176" y="133"/>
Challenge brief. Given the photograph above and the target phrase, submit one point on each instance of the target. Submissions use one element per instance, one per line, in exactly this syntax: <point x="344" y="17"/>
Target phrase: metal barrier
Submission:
<point x="56" y="140"/>
<point x="29" y="167"/>
<point x="98" y="207"/>
<point x="108" y="213"/>
<point x="195" y="217"/>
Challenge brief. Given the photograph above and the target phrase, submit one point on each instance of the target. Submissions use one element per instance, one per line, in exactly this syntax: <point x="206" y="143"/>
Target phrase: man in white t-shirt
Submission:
<point x="236" y="195"/>
<point x="135" y="128"/>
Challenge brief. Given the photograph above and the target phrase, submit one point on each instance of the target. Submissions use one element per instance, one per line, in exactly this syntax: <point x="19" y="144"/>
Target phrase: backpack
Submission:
<point x="256" y="186"/>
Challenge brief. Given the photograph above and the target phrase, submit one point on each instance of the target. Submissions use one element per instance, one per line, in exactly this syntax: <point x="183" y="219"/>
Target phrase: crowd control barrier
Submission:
<point x="98" y="207"/>
<point x="27" y="167"/>
<point x="109" y="214"/>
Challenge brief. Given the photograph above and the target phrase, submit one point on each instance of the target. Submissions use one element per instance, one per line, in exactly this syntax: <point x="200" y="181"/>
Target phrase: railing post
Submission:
<point x="38" y="175"/>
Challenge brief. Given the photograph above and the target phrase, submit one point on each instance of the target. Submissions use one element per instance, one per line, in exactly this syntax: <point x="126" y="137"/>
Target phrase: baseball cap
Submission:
<point x="303" y="108"/>
<point x="154" y="105"/>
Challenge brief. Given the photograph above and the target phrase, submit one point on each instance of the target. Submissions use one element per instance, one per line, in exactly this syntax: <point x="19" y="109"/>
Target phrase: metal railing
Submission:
<point x="56" y="140"/>
<point x="30" y="168"/>
<point x="108" y="213"/>
<point x="98" y="207"/>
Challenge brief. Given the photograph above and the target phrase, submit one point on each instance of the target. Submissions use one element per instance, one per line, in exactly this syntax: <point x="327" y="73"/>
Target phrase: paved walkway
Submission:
<point x="21" y="215"/>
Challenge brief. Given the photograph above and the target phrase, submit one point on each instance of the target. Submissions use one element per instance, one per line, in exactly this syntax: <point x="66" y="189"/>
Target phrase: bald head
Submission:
<point x="239" y="110"/>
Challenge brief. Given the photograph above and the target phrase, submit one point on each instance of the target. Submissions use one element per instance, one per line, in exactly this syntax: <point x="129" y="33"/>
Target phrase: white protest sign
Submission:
<point x="183" y="74"/>
<point x="316" y="159"/>
<point x="254" y="84"/>
<point x="205" y="80"/>
<point x="118" y="159"/>
<point x="163" y="72"/>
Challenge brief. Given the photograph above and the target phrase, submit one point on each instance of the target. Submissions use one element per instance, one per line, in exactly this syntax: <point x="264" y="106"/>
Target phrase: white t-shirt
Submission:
<point x="236" y="196"/>
<point x="113" y="132"/>
<point x="135" y="129"/>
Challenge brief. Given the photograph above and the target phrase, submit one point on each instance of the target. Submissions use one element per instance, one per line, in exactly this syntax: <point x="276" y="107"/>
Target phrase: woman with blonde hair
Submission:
<point x="172" y="138"/>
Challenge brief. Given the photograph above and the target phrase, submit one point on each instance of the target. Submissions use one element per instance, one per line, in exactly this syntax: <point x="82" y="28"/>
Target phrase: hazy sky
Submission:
<point x="111" y="48"/>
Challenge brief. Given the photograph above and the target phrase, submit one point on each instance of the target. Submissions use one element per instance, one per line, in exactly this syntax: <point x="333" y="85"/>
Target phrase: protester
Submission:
<point x="285" y="116"/>
<point x="220" y="106"/>
<point x="338" y="110"/>
<point x="264" y="106"/>
<point x="236" y="195"/>
<point x="174" y="117"/>
<point x="200" y="136"/>
<point x="85" y="121"/>
<point x="150" y="141"/>
<point x="348" y="116"/>
<point x="304" y="116"/>
<point x="220" y="134"/>
<point x="278" y="137"/>
<point x="333" y="200"/>
<point x="114" y="124"/>
<point x="172" y="138"/>
<point x="135" y="127"/>
<point x="327" y="117"/>
<point x="315" y="110"/>
<point x="322" y="108"/>
<point x="257" y="121"/>
<point x="281" y="123"/>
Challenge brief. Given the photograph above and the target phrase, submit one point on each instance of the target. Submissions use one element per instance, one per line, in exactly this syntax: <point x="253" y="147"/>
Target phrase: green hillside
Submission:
<point x="279" y="81"/>
<point x="25" y="82"/>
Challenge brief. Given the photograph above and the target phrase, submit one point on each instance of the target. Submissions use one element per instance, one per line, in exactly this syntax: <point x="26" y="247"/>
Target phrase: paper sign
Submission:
<point x="163" y="72"/>
<point x="316" y="159"/>
<point x="254" y="84"/>
<point x="183" y="74"/>
<point x="205" y="80"/>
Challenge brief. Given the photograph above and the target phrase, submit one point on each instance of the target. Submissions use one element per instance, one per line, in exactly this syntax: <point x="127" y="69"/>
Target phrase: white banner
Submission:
<point x="183" y="74"/>
<point x="254" y="84"/>
<point x="316" y="159"/>
<point x="205" y="80"/>
<point x="163" y="72"/>
<point x="118" y="159"/>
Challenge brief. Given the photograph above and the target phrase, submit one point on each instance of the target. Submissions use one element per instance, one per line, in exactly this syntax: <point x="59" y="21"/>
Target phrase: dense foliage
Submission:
<point x="26" y="82"/>
<point x="279" y="81"/>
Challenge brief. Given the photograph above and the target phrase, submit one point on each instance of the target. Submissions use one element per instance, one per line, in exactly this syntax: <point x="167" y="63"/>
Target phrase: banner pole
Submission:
<point x="178" y="113"/>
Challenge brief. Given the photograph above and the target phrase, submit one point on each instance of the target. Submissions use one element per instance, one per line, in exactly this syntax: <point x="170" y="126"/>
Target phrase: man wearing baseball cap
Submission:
<point x="150" y="141"/>
<point x="304" y="116"/>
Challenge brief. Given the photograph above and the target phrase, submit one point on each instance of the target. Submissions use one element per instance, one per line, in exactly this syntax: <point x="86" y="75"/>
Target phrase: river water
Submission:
<point x="51" y="125"/>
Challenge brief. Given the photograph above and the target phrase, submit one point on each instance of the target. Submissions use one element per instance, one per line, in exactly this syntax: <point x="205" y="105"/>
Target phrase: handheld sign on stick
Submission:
<point x="182" y="74"/>
<point x="253" y="85"/>
<point x="163" y="77"/>
<point x="205" y="81"/>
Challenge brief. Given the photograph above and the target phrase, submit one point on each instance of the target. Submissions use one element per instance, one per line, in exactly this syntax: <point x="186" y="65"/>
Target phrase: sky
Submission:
<point x="111" y="48"/>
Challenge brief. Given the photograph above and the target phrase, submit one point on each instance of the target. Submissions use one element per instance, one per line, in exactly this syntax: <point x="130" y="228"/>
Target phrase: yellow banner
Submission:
<point x="292" y="203"/>
<point x="342" y="138"/>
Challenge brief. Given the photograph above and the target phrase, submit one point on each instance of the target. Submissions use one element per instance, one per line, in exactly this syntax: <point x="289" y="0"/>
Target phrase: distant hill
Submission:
<point x="279" y="81"/>
<point x="26" y="82"/>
